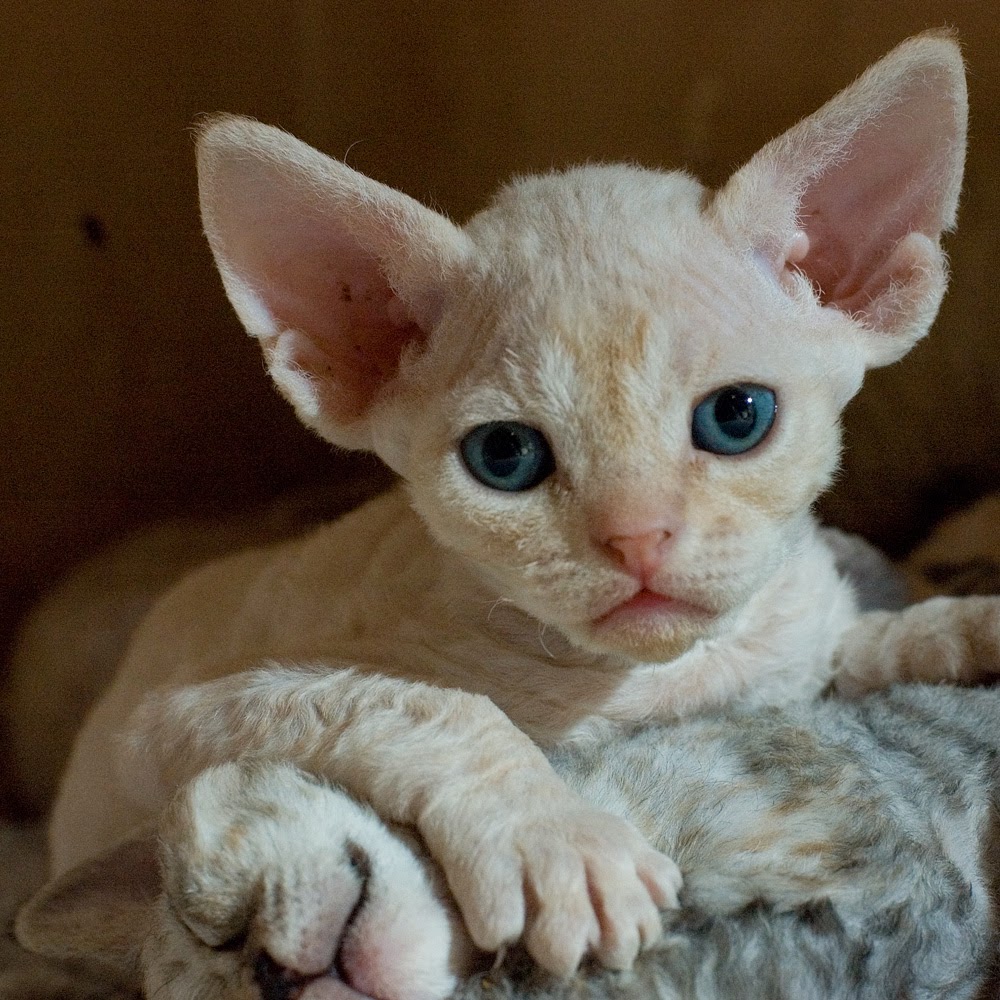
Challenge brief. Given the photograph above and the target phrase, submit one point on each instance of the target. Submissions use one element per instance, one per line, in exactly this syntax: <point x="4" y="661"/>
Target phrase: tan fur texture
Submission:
<point x="961" y="556"/>
<point x="418" y="650"/>
<point x="73" y="640"/>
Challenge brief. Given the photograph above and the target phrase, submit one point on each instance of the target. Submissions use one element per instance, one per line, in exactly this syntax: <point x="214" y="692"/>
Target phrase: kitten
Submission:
<point x="962" y="554"/>
<point x="612" y="398"/>
<point x="831" y="849"/>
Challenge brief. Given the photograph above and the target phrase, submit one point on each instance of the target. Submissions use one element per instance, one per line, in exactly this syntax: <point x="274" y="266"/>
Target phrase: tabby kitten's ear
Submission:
<point x="856" y="196"/>
<point x="337" y="275"/>
<point x="94" y="918"/>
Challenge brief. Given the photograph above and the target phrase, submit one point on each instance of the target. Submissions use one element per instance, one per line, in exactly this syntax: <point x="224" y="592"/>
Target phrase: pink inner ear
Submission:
<point x="300" y="250"/>
<point x="895" y="177"/>
<point x="338" y="275"/>
<point x="340" y="322"/>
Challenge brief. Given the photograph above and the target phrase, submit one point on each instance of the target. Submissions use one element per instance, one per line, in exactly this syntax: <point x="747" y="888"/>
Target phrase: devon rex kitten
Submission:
<point x="612" y="397"/>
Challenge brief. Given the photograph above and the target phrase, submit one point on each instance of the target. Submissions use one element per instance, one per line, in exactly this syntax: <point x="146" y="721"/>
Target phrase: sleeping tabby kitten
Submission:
<point x="830" y="850"/>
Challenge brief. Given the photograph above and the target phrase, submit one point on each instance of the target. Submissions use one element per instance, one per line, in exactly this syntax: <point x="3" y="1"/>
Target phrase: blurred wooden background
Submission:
<point x="127" y="390"/>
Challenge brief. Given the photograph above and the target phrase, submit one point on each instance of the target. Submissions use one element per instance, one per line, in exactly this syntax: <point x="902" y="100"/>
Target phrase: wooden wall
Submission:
<point x="126" y="387"/>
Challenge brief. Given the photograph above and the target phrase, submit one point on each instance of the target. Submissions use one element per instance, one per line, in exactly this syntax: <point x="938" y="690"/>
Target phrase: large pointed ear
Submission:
<point x="856" y="197"/>
<point x="340" y="277"/>
<point x="96" y="917"/>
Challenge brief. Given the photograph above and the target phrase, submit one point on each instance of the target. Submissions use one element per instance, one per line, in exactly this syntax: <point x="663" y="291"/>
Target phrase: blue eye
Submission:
<point x="505" y="455"/>
<point x="733" y="419"/>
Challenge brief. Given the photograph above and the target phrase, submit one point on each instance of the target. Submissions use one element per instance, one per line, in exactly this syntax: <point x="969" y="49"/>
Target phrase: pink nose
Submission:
<point x="640" y="555"/>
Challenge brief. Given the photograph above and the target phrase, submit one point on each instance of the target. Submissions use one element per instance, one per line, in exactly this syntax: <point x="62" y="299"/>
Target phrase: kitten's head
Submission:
<point x="614" y="394"/>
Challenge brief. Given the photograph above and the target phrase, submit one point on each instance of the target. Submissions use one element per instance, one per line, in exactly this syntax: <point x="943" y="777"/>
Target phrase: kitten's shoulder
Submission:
<point x="257" y="598"/>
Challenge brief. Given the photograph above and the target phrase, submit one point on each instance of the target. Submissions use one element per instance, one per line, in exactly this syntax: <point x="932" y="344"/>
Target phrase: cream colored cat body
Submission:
<point x="595" y="328"/>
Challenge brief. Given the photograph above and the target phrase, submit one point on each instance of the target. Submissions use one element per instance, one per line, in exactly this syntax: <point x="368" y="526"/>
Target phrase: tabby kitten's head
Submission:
<point x="615" y="394"/>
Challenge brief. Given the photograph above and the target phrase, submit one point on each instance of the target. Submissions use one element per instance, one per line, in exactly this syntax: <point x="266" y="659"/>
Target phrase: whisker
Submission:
<point x="495" y="605"/>
<point x="541" y="641"/>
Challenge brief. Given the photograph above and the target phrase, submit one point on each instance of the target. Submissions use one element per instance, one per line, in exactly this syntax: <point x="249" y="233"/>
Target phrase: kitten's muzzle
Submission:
<point x="640" y="555"/>
<point x="648" y="606"/>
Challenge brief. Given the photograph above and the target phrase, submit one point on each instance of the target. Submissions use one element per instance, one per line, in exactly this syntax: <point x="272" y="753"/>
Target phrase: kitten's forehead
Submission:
<point x="586" y="223"/>
<point x="606" y="271"/>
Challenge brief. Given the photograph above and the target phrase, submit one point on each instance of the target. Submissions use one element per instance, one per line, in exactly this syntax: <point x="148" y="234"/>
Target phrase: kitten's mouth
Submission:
<point x="648" y="607"/>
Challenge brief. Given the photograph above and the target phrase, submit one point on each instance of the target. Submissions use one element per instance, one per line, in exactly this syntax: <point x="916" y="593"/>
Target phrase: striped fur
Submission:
<point x="833" y="850"/>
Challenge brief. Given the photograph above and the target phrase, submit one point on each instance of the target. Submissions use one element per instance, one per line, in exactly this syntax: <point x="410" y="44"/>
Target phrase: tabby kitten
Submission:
<point x="836" y="850"/>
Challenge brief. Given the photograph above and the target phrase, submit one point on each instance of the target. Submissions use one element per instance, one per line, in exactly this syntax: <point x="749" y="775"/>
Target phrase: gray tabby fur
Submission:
<point x="831" y="850"/>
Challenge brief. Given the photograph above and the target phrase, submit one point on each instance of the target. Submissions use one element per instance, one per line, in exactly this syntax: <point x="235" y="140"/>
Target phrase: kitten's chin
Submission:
<point x="650" y="628"/>
<point x="645" y="645"/>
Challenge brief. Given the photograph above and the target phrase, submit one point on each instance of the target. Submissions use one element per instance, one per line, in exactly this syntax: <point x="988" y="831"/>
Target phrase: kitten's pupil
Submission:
<point x="504" y="450"/>
<point x="506" y="455"/>
<point x="735" y="413"/>
<point x="733" y="419"/>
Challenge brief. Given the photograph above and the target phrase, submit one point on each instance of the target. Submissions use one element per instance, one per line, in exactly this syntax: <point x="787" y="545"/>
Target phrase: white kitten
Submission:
<point x="612" y="397"/>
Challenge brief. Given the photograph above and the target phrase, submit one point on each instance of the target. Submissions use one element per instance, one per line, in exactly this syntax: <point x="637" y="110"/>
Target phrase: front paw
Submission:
<point x="569" y="879"/>
<point x="942" y="639"/>
<point x="281" y="887"/>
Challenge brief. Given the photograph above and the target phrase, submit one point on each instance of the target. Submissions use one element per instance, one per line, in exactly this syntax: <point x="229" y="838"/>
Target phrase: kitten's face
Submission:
<point x="583" y="321"/>
<point x="593" y="315"/>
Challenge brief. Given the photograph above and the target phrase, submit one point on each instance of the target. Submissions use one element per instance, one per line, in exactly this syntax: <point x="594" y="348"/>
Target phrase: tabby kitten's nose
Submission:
<point x="275" y="982"/>
<point x="640" y="555"/>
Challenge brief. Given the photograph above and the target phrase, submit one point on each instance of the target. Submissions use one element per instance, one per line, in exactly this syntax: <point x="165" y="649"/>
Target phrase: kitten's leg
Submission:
<point x="278" y="886"/>
<point x="955" y="639"/>
<point x="269" y="885"/>
<point x="836" y="850"/>
<point x="523" y="855"/>
<point x="864" y="876"/>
